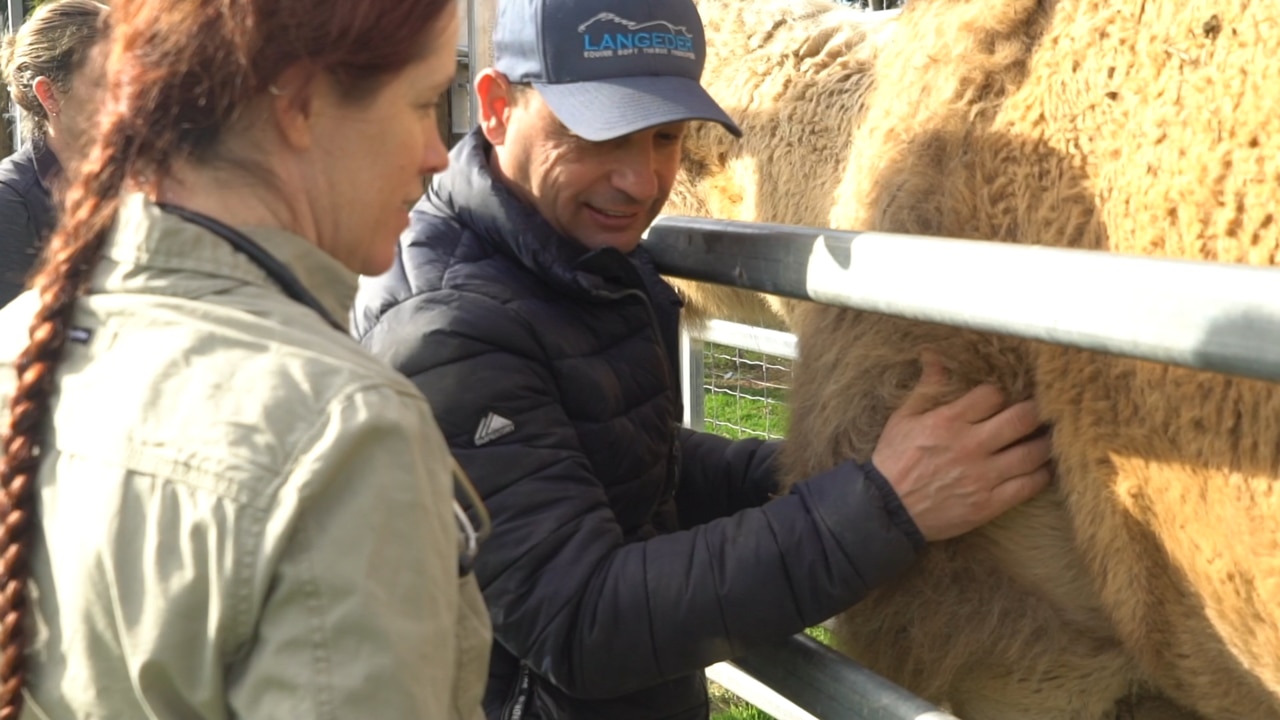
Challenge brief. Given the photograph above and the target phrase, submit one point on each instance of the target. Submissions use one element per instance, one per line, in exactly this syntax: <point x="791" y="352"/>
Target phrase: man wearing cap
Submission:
<point x="627" y="553"/>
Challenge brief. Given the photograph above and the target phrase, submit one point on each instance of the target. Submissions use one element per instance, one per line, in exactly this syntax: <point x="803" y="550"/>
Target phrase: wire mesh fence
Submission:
<point x="736" y="379"/>
<point x="745" y="392"/>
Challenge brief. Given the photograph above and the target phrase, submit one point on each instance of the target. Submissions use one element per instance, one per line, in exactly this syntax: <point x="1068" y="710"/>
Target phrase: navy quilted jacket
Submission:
<point x="627" y="553"/>
<point x="26" y="215"/>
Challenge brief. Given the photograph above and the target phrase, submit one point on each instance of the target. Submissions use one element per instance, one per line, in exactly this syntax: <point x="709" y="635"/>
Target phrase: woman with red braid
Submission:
<point x="215" y="504"/>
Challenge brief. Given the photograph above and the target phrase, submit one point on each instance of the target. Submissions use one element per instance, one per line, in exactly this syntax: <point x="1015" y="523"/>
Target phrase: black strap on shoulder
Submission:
<point x="274" y="269"/>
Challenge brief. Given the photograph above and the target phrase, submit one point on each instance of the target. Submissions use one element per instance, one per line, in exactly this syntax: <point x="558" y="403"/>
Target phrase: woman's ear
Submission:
<point x="47" y="94"/>
<point x="292" y="99"/>
<point x="493" y="93"/>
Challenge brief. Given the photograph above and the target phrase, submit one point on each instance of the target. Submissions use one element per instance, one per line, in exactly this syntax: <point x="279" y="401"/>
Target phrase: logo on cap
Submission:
<point x="607" y="35"/>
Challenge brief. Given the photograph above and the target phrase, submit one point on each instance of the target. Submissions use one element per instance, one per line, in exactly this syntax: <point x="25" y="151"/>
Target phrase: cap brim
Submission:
<point x="600" y="110"/>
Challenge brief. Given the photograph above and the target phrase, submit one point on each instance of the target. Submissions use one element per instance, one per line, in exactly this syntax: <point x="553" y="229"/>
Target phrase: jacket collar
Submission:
<point x="469" y="192"/>
<point x="148" y="244"/>
<point x="46" y="163"/>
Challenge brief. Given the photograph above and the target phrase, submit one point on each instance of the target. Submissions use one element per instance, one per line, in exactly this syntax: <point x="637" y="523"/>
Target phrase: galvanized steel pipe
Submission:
<point x="1211" y="316"/>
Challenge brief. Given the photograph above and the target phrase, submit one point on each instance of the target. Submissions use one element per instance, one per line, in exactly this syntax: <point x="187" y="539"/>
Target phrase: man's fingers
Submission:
<point x="933" y="377"/>
<point x="1017" y="490"/>
<point x="1010" y="425"/>
<point x="1022" y="458"/>
<point x="978" y="404"/>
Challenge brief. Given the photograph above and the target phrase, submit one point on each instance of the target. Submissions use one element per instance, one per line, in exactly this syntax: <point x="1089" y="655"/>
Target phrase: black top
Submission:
<point x="26" y="214"/>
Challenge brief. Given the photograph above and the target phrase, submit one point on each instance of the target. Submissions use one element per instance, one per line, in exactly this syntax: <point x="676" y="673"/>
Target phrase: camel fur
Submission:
<point x="785" y="60"/>
<point x="1146" y="582"/>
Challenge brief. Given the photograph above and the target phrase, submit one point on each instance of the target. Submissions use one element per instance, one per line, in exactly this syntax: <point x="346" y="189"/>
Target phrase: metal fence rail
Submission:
<point x="1205" y="315"/>
<point x="818" y="682"/>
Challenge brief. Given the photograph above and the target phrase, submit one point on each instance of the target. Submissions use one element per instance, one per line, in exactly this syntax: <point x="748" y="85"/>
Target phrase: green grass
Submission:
<point x="727" y="706"/>
<point x="819" y="633"/>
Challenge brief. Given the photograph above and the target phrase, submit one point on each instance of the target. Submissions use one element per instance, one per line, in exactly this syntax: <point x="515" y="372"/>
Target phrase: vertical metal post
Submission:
<point x="15" y="15"/>
<point x="481" y="16"/>
<point x="692" y="372"/>
<point x="457" y="100"/>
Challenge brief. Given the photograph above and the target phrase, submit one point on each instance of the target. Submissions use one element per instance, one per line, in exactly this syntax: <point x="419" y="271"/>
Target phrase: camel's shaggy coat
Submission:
<point x="1146" y="583"/>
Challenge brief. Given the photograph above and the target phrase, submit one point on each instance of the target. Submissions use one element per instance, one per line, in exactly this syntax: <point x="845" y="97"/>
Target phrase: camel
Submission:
<point x="1146" y="582"/>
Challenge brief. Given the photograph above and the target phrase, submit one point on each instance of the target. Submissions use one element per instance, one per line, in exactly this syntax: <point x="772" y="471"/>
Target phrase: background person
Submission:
<point x="49" y="76"/>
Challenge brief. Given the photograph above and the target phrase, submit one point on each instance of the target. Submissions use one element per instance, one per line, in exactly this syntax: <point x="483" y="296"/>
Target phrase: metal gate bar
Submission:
<point x="1205" y="315"/>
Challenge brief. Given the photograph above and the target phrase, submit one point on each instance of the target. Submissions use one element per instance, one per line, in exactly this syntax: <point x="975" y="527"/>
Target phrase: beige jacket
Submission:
<point x="242" y="513"/>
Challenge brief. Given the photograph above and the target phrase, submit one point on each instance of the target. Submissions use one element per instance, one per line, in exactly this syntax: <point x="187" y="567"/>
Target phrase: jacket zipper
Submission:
<point x="519" y="700"/>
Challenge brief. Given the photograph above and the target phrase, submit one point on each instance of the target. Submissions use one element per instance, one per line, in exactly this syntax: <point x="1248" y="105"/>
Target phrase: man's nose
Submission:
<point x="637" y="176"/>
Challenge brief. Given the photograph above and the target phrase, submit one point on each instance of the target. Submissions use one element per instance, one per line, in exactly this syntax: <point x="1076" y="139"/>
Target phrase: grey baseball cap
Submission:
<point x="607" y="68"/>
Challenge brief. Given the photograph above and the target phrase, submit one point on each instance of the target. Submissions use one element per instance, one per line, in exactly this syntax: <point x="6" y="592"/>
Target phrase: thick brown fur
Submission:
<point x="1146" y="583"/>
<point x="781" y="61"/>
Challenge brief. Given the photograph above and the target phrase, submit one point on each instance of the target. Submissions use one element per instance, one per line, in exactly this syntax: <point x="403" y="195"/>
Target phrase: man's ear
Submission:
<point x="47" y="95"/>
<point x="493" y="92"/>
<point x="293" y="99"/>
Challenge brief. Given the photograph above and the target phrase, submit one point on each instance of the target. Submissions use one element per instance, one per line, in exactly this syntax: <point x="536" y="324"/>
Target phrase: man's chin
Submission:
<point x="622" y="242"/>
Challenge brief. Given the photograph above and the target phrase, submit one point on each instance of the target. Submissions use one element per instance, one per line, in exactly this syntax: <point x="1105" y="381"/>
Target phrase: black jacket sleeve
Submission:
<point x="719" y="476"/>
<point x="596" y="616"/>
